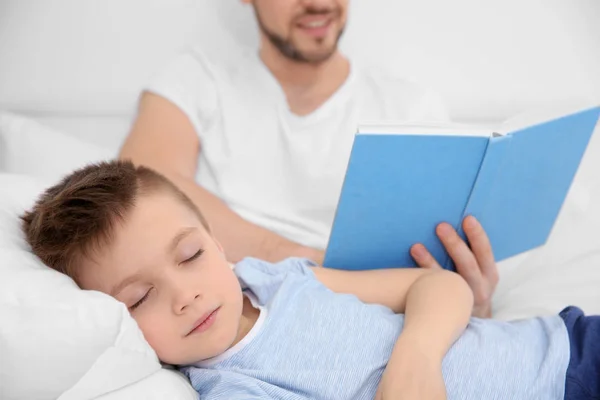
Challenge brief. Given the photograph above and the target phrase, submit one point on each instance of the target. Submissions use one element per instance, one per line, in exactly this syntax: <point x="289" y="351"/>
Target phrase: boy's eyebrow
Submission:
<point x="177" y="238"/>
<point x="172" y="246"/>
<point x="121" y="285"/>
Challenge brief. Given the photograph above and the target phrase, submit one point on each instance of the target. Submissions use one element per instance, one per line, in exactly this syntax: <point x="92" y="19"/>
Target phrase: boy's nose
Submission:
<point x="183" y="301"/>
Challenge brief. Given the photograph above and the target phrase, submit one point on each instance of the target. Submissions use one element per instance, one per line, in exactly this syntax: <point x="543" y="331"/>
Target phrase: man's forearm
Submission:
<point x="438" y="307"/>
<point x="240" y="238"/>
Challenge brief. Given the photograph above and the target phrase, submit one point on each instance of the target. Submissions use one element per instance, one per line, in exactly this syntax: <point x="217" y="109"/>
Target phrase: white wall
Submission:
<point x="489" y="59"/>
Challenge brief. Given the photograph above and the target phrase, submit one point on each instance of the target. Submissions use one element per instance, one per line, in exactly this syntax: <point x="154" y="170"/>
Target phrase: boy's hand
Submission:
<point x="475" y="264"/>
<point x="414" y="376"/>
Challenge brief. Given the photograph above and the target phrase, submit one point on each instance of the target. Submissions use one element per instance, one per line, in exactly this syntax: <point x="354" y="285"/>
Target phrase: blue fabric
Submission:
<point x="316" y="344"/>
<point x="583" y="373"/>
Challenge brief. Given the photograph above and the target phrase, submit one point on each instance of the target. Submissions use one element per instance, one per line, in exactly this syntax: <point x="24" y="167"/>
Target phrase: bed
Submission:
<point x="70" y="74"/>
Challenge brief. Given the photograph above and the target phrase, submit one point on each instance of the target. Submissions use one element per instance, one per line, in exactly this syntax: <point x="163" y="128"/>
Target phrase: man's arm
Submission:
<point x="164" y="139"/>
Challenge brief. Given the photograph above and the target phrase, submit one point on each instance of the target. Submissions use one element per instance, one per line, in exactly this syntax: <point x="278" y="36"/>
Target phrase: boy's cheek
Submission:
<point x="152" y="328"/>
<point x="158" y="338"/>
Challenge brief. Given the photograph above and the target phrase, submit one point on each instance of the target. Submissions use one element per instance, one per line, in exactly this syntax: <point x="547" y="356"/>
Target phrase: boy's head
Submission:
<point x="129" y="232"/>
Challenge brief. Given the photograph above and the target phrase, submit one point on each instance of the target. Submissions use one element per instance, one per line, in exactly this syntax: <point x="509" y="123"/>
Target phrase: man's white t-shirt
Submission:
<point x="276" y="169"/>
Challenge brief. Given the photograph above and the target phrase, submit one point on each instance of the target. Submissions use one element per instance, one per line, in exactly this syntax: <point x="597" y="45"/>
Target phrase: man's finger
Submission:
<point x="422" y="257"/>
<point x="464" y="260"/>
<point x="481" y="247"/>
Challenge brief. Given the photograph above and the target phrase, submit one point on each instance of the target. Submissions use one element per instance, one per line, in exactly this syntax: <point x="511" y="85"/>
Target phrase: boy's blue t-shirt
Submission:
<point x="311" y="343"/>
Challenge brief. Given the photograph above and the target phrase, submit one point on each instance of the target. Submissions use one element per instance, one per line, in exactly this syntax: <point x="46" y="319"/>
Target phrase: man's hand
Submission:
<point x="475" y="264"/>
<point x="414" y="376"/>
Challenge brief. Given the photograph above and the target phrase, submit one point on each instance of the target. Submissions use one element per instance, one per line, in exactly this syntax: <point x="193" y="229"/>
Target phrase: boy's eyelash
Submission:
<point x="192" y="258"/>
<point x="140" y="301"/>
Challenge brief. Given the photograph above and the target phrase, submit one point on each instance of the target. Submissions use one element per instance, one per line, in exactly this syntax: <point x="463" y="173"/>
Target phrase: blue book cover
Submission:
<point x="402" y="182"/>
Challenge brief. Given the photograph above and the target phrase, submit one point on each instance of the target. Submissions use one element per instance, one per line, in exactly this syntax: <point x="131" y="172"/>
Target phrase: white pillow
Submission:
<point x="57" y="341"/>
<point x="29" y="148"/>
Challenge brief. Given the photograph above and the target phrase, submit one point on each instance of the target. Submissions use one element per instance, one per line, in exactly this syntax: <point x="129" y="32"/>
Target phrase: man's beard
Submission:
<point x="287" y="48"/>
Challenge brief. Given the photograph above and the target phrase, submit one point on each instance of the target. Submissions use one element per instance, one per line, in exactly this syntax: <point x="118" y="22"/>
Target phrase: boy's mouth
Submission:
<point x="204" y="322"/>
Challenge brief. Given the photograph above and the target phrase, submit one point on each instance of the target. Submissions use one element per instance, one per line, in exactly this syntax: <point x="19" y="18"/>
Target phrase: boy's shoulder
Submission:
<point x="265" y="279"/>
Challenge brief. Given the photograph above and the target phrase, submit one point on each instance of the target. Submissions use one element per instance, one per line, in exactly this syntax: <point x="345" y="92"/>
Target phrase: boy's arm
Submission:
<point x="437" y="304"/>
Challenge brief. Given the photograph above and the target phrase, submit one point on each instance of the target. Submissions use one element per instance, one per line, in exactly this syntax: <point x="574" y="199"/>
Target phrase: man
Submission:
<point x="262" y="143"/>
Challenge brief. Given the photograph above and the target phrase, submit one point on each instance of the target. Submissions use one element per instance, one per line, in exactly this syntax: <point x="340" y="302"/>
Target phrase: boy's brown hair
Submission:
<point x="75" y="217"/>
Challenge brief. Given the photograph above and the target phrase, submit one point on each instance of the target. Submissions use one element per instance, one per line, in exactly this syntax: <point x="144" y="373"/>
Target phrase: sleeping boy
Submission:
<point x="294" y="330"/>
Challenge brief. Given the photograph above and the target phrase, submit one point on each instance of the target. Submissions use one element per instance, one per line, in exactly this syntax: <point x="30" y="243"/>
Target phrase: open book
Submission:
<point x="403" y="180"/>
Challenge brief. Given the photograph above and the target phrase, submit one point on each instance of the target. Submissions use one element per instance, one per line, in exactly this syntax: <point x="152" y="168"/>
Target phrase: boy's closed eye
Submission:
<point x="193" y="257"/>
<point x="147" y="294"/>
<point x="140" y="301"/>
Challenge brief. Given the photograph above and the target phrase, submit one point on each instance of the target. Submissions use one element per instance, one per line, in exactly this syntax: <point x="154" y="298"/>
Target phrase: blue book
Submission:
<point x="402" y="181"/>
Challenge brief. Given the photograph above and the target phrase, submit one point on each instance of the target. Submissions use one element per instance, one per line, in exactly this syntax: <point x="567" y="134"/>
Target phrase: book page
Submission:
<point x="425" y="128"/>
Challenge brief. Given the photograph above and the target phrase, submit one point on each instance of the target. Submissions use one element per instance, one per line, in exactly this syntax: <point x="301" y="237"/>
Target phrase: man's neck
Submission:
<point x="306" y="86"/>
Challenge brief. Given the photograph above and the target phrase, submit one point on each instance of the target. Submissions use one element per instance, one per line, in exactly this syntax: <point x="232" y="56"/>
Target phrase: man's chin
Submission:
<point x="315" y="51"/>
<point x="315" y="57"/>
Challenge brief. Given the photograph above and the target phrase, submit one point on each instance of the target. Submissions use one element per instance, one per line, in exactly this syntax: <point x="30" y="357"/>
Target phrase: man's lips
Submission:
<point x="204" y="322"/>
<point x="315" y="21"/>
<point x="316" y="25"/>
